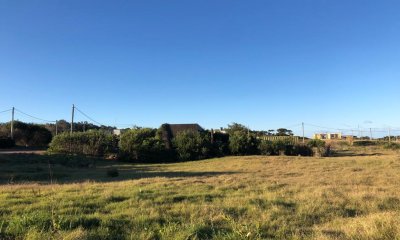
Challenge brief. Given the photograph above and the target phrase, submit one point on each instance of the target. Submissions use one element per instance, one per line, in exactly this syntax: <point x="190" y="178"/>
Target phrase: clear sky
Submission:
<point x="265" y="64"/>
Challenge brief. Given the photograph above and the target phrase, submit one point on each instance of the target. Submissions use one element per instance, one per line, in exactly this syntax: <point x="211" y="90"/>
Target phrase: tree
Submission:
<point x="271" y="132"/>
<point x="242" y="143"/>
<point x="284" y="132"/>
<point x="28" y="134"/>
<point x="236" y="127"/>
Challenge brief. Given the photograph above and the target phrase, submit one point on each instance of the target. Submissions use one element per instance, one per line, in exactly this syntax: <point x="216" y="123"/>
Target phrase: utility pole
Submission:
<point x="56" y="127"/>
<point x="370" y="133"/>
<point x="389" y="135"/>
<point x="12" y="123"/>
<point x="302" y="125"/>
<point x="72" y="118"/>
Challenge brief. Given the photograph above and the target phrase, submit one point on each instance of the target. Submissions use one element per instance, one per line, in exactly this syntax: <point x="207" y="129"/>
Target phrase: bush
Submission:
<point x="281" y="147"/>
<point x="220" y="144"/>
<point x="302" y="150"/>
<point x="28" y="134"/>
<point x="6" y="142"/>
<point x="318" y="147"/>
<point x="142" y="145"/>
<point x="92" y="143"/>
<point x="364" y="143"/>
<point x="241" y="143"/>
<point x="391" y="146"/>
<point x="266" y="147"/>
<point x="191" y="145"/>
<point x="317" y="143"/>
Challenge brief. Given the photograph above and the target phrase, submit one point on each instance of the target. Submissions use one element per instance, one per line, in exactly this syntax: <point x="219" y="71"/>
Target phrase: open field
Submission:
<point x="352" y="196"/>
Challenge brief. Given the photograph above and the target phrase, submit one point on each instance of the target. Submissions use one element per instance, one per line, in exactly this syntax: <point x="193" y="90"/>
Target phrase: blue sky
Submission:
<point x="266" y="64"/>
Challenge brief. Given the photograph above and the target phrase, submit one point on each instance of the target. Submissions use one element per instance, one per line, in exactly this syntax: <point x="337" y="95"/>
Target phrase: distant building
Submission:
<point x="118" y="132"/>
<point x="220" y="130"/>
<point x="348" y="137"/>
<point x="328" y="136"/>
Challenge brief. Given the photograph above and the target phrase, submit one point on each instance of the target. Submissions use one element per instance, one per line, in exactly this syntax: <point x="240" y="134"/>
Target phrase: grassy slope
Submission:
<point x="353" y="197"/>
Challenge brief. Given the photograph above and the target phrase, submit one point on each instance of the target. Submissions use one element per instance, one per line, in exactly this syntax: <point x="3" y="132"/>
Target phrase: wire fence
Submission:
<point x="309" y="128"/>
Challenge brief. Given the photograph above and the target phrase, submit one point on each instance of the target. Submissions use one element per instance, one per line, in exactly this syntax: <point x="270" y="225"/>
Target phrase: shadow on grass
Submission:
<point x="34" y="168"/>
<point x="349" y="153"/>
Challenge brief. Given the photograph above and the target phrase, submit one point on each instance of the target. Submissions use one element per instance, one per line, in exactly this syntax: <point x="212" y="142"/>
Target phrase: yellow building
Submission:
<point x="328" y="136"/>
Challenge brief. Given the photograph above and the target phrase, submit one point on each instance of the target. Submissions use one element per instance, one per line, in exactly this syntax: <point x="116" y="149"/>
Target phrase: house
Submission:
<point x="119" y="132"/>
<point x="328" y="136"/>
<point x="169" y="131"/>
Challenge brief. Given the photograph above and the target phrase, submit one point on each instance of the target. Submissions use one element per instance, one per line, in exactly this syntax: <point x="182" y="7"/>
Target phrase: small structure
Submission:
<point x="349" y="138"/>
<point x="118" y="132"/>
<point x="328" y="136"/>
<point x="287" y="139"/>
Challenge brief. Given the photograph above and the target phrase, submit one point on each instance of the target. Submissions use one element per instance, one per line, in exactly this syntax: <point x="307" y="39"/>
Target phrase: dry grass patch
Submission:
<point x="255" y="197"/>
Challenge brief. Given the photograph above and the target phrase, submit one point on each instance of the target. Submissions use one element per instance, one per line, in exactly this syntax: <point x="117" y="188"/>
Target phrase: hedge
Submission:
<point x="6" y="142"/>
<point x="143" y="145"/>
<point x="280" y="147"/>
<point x="92" y="143"/>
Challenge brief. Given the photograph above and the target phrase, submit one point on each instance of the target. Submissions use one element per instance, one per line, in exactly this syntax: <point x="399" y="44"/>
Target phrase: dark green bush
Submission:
<point x="142" y="145"/>
<point x="364" y="143"/>
<point x="266" y="147"/>
<point x="91" y="143"/>
<point x="6" y="142"/>
<point x="318" y="147"/>
<point x="242" y="143"/>
<point x="220" y="145"/>
<point x="281" y="147"/>
<point x="316" y="143"/>
<point x="302" y="150"/>
<point x="28" y="134"/>
<point x="191" y="145"/>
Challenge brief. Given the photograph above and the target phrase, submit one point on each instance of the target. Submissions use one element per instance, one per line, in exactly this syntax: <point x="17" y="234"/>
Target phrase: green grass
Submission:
<point x="354" y="196"/>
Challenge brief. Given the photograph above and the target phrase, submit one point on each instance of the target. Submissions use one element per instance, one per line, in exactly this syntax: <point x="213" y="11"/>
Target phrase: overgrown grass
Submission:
<point x="345" y="197"/>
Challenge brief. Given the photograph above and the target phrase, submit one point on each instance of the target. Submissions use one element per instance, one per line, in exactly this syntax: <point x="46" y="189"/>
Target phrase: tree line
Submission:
<point x="40" y="135"/>
<point x="149" y="145"/>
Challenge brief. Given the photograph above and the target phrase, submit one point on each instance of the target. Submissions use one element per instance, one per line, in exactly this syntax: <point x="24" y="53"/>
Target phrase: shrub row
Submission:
<point x="92" y="143"/>
<point x="27" y="134"/>
<point x="148" y="145"/>
<point x="392" y="146"/>
<point x="6" y="142"/>
<point x="365" y="143"/>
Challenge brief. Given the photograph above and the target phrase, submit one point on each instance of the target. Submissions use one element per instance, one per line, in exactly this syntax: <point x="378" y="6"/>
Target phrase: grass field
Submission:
<point x="354" y="195"/>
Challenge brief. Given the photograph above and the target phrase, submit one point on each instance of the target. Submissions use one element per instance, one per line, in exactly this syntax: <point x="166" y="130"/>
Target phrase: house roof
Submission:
<point x="176" y="128"/>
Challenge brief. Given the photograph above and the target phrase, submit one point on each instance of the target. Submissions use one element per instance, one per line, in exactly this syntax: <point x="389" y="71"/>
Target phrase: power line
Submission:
<point x="352" y="129"/>
<point x="6" y="110"/>
<point x="84" y="114"/>
<point x="37" y="118"/>
<point x="340" y="129"/>
<point x="294" y="125"/>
